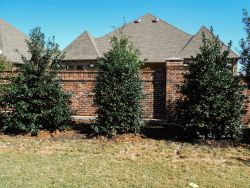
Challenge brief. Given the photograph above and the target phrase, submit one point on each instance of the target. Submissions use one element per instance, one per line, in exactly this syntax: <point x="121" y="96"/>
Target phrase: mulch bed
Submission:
<point x="83" y="132"/>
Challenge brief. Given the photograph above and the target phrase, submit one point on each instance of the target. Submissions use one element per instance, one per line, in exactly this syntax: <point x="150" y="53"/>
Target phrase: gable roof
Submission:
<point x="155" y="39"/>
<point x="84" y="47"/>
<point x="12" y="43"/>
<point x="192" y="47"/>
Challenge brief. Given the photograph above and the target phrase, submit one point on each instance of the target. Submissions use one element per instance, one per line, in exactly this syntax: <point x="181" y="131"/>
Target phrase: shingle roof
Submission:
<point x="193" y="45"/>
<point x="156" y="41"/>
<point x="84" y="47"/>
<point x="11" y="41"/>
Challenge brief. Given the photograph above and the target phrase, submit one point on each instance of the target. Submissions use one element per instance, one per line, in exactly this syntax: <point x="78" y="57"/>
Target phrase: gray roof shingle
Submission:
<point x="12" y="43"/>
<point x="193" y="46"/>
<point x="156" y="41"/>
<point x="84" y="47"/>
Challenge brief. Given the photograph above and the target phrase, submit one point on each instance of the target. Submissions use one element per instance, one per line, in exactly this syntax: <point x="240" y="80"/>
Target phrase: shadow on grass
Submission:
<point x="164" y="133"/>
<point x="246" y="135"/>
<point x="175" y="133"/>
<point x="171" y="133"/>
<point x="83" y="128"/>
<point x="157" y="131"/>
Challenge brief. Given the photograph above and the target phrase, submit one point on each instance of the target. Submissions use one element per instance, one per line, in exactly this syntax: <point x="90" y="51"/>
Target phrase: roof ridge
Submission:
<point x="115" y="30"/>
<point x="73" y="41"/>
<point x="213" y="35"/>
<point x="92" y="40"/>
<point x="12" y="42"/>
<point x="85" y="47"/>
<point x="148" y="13"/>
<point x="188" y="42"/>
<point x="175" y="27"/>
<point x="166" y="23"/>
<point x="13" y="27"/>
<point x="195" y="35"/>
<point x="203" y="27"/>
<point x="132" y="21"/>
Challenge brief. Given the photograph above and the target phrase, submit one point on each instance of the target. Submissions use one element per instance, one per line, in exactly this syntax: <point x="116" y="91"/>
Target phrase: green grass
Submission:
<point x="27" y="162"/>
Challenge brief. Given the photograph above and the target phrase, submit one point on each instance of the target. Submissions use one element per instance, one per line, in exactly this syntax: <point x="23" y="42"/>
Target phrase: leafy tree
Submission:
<point x="212" y="104"/>
<point x="245" y="48"/>
<point x="35" y="97"/>
<point x="4" y="66"/>
<point x="119" y="90"/>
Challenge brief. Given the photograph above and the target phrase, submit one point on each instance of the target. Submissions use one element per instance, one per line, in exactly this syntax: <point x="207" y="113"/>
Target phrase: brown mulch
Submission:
<point x="81" y="134"/>
<point x="47" y="135"/>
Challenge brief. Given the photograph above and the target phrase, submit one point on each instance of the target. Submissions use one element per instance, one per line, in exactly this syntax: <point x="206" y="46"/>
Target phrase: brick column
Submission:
<point x="174" y="76"/>
<point x="246" y="117"/>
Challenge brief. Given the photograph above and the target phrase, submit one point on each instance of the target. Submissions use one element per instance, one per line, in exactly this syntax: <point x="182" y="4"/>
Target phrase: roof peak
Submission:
<point x="93" y="42"/>
<point x="11" y="40"/>
<point x="148" y="18"/>
<point x="193" y="45"/>
<point x="203" y="29"/>
<point x="155" y="38"/>
<point x="86" y="32"/>
<point x="148" y="15"/>
<point x="2" y="21"/>
<point x="84" y="43"/>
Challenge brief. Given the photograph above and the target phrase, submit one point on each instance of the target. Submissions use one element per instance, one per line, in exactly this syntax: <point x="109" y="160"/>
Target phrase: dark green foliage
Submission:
<point x="35" y="96"/>
<point x="4" y="66"/>
<point x="212" y="104"/>
<point x="119" y="90"/>
<point x="245" y="49"/>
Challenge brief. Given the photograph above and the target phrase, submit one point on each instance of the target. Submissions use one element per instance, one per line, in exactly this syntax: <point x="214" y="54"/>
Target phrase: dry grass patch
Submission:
<point x="125" y="161"/>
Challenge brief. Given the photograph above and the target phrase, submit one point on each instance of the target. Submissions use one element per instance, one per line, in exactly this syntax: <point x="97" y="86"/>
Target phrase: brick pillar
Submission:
<point x="174" y="76"/>
<point x="246" y="117"/>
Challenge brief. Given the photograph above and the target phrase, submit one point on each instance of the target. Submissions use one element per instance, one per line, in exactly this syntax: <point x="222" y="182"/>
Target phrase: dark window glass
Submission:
<point x="70" y="67"/>
<point x="79" y="67"/>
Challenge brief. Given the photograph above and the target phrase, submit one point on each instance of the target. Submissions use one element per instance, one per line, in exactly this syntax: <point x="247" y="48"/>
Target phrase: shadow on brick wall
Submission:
<point x="159" y="93"/>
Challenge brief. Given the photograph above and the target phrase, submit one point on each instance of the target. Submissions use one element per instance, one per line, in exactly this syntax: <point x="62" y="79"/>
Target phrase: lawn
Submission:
<point x="126" y="161"/>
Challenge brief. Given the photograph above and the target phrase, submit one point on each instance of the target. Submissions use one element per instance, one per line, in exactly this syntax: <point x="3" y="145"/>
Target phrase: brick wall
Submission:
<point x="174" y="76"/>
<point x="154" y="104"/>
<point x="161" y="85"/>
<point x="80" y="84"/>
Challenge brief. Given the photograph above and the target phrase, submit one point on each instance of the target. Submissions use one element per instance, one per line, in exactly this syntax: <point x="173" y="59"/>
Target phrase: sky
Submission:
<point x="67" y="19"/>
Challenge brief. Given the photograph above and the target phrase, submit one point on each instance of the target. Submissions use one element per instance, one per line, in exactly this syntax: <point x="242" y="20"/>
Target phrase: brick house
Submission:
<point x="166" y="49"/>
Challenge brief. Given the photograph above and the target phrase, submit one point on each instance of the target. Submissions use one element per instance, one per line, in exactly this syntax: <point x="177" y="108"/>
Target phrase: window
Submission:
<point x="70" y="67"/>
<point x="79" y="67"/>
